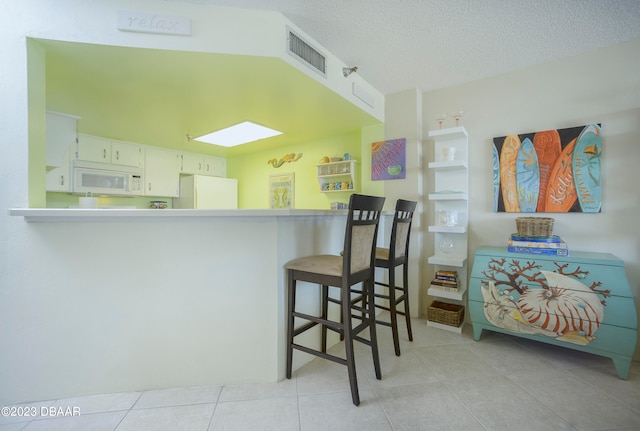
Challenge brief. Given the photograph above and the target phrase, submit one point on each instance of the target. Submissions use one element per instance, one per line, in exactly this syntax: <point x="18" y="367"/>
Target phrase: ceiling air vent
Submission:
<point x="306" y="53"/>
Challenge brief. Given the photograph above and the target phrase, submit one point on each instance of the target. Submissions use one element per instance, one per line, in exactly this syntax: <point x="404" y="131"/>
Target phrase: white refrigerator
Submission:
<point x="204" y="192"/>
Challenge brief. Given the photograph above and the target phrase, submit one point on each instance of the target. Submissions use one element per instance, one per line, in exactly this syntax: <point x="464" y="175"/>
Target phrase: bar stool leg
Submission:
<point x="371" y="311"/>
<point x="392" y="310"/>
<point x="405" y="289"/>
<point x="291" y="296"/>
<point x="323" y="314"/>
<point x="347" y="330"/>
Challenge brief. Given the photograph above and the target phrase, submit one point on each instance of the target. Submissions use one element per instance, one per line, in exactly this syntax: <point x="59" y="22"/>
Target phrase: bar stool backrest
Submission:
<point x="399" y="245"/>
<point x="361" y="235"/>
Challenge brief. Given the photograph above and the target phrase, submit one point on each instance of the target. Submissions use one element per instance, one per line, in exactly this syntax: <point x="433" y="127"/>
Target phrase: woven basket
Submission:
<point x="447" y="314"/>
<point x="534" y="226"/>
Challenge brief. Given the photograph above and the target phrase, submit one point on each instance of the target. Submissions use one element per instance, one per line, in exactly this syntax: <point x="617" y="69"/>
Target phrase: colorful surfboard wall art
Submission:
<point x="551" y="171"/>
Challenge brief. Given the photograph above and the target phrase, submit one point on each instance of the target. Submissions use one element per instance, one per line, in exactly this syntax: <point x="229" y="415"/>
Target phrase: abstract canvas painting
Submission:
<point x="553" y="171"/>
<point x="389" y="159"/>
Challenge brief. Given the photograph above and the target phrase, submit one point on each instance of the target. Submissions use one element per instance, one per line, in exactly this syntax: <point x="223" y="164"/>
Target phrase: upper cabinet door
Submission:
<point x="126" y="154"/>
<point x="94" y="149"/>
<point x="215" y="166"/>
<point x="191" y="163"/>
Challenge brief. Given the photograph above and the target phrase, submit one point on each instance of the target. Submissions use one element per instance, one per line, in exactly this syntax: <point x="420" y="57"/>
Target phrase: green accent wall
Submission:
<point x="253" y="172"/>
<point x="37" y="124"/>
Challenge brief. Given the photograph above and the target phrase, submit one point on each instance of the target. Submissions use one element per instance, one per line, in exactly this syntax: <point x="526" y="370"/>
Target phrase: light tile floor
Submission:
<point x="442" y="381"/>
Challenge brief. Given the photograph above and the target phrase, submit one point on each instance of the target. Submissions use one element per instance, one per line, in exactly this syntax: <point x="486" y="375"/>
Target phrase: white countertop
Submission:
<point x="112" y="214"/>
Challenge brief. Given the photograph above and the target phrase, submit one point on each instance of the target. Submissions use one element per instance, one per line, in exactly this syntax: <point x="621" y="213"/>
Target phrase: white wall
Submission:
<point x="403" y="119"/>
<point x="599" y="87"/>
<point x="100" y="307"/>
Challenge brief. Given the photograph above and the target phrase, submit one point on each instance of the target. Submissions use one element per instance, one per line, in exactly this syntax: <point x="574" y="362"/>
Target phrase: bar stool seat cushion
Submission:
<point x="327" y="264"/>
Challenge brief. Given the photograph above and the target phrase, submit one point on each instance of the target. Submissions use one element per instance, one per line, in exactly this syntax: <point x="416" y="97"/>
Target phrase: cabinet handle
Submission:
<point x="62" y="180"/>
<point x="149" y="186"/>
<point x="104" y="153"/>
<point x="117" y="154"/>
<point x="199" y="166"/>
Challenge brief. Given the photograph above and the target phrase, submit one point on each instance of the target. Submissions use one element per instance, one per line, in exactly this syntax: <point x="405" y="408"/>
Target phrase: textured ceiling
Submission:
<point x="157" y="97"/>
<point x="432" y="44"/>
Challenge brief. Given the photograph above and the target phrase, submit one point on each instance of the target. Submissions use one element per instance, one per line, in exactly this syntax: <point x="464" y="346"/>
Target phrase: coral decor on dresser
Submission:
<point x="548" y="171"/>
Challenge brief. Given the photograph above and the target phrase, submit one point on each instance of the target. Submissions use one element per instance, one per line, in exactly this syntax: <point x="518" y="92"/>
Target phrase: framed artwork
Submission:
<point x="389" y="159"/>
<point x="552" y="171"/>
<point x="281" y="191"/>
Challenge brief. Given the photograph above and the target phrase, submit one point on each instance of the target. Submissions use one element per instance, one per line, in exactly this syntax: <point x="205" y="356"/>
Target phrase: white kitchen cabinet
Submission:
<point x="162" y="172"/>
<point x="191" y="163"/>
<point x="198" y="164"/>
<point x="451" y="213"/>
<point x="103" y="150"/>
<point x="61" y="135"/>
<point x="126" y="154"/>
<point x="215" y="166"/>
<point x="338" y="176"/>
<point x="93" y="149"/>
<point x="58" y="179"/>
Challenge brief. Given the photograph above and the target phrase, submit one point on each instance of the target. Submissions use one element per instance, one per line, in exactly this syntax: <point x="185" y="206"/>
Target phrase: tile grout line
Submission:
<point x="215" y="407"/>
<point x="295" y="375"/>
<point x="128" y="411"/>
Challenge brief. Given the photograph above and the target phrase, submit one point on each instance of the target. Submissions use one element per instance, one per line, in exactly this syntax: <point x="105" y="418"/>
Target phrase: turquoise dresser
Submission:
<point x="581" y="301"/>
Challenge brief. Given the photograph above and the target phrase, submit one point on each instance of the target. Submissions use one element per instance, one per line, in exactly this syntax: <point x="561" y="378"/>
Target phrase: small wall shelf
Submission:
<point x="453" y="164"/>
<point x="448" y="229"/>
<point x="338" y="176"/>
<point x="448" y="294"/>
<point x="448" y="196"/>
<point x="447" y="261"/>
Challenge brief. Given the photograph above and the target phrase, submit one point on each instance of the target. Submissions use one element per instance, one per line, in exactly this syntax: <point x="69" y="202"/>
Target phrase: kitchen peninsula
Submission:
<point x="203" y="304"/>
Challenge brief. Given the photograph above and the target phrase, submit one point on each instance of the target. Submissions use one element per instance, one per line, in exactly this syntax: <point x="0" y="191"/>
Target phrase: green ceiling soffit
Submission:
<point x="157" y="97"/>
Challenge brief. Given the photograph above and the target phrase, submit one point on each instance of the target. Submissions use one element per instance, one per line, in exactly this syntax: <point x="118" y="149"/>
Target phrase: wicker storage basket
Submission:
<point x="447" y="314"/>
<point x="534" y="226"/>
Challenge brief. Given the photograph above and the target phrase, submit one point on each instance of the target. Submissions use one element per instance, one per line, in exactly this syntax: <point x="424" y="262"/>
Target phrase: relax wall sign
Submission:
<point x="140" y="22"/>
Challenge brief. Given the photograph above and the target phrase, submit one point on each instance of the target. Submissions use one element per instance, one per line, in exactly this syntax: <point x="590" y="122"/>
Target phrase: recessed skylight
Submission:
<point x="239" y="134"/>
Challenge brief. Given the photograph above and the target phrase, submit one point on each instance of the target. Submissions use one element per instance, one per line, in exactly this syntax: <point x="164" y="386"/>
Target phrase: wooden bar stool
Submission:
<point x="397" y="254"/>
<point x="356" y="265"/>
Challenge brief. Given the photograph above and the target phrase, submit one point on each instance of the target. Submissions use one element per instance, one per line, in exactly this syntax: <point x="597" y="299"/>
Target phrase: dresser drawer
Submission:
<point x="610" y="341"/>
<point x="604" y="273"/>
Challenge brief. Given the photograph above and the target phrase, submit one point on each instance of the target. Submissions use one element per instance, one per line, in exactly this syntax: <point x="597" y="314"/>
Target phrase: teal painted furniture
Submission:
<point x="581" y="301"/>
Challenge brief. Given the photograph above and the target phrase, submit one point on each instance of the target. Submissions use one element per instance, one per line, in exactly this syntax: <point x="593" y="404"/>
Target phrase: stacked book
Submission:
<point x="551" y="246"/>
<point x="446" y="280"/>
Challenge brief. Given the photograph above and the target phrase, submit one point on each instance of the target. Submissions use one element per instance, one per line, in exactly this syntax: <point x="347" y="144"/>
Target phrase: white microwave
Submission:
<point x="103" y="179"/>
